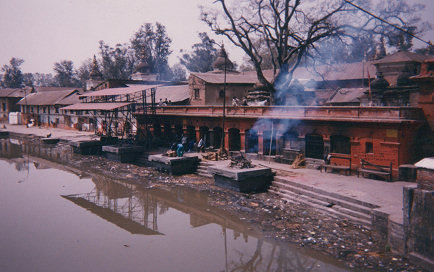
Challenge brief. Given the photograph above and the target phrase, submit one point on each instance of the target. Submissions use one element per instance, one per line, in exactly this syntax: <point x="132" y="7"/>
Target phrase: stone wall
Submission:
<point x="419" y="219"/>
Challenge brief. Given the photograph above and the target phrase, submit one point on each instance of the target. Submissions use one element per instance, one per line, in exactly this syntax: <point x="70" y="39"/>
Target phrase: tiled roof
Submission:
<point x="175" y="93"/>
<point x="402" y="56"/>
<point x="13" y="92"/>
<point x="231" y="78"/>
<point x="96" y="106"/>
<point x="50" y="89"/>
<point x="130" y="89"/>
<point x="47" y="98"/>
<point x="347" y="95"/>
<point x="342" y="71"/>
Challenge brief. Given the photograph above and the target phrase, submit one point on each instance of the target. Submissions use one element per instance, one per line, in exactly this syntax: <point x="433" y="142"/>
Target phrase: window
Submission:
<point x="56" y="110"/>
<point x="4" y="106"/>
<point x="44" y="109"/>
<point x="196" y="93"/>
<point x="340" y="144"/>
<point x="369" y="147"/>
<point x="31" y="109"/>
<point x="221" y="93"/>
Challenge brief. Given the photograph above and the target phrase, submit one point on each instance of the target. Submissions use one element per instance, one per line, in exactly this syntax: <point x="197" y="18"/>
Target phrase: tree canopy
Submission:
<point x="154" y="43"/>
<point x="65" y="74"/>
<point x="202" y="56"/>
<point x="12" y="75"/>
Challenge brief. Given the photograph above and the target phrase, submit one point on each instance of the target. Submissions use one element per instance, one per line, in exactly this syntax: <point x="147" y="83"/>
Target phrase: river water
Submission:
<point x="56" y="218"/>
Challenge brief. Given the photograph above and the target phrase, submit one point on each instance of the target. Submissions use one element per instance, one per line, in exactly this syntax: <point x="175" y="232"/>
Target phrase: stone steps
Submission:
<point x="202" y="169"/>
<point x="332" y="204"/>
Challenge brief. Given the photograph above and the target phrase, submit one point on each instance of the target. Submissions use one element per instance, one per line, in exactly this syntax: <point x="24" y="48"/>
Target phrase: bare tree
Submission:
<point x="294" y="29"/>
<point x="289" y="28"/>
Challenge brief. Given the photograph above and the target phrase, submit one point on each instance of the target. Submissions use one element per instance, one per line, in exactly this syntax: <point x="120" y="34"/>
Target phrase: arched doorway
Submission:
<point x="269" y="143"/>
<point x="234" y="139"/>
<point x="314" y="146"/>
<point x="191" y="133"/>
<point x="251" y="141"/>
<point x="204" y="134"/>
<point x="290" y="140"/>
<point x="217" y="137"/>
<point x="169" y="137"/>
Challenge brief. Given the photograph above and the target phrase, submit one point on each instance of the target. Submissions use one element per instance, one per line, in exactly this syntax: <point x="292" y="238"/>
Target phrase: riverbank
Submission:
<point x="354" y="245"/>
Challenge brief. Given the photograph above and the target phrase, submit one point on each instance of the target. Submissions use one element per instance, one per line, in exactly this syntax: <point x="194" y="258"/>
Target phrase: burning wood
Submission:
<point x="220" y="154"/>
<point x="240" y="162"/>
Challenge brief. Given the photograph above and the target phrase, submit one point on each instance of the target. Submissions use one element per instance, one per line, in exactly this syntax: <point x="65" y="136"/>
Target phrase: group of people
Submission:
<point x="238" y="102"/>
<point x="187" y="146"/>
<point x="165" y="102"/>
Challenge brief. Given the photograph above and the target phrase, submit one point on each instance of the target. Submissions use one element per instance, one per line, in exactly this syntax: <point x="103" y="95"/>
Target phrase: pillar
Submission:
<point x="197" y="129"/>
<point x="226" y="135"/>
<point x="260" y="143"/>
<point x="211" y="137"/>
<point x="243" y="141"/>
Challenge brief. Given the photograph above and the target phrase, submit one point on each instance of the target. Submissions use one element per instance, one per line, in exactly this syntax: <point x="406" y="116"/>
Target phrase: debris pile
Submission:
<point x="218" y="155"/>
<point x="240" y="162"/>
<point x="170" y="153"/>
<point x="298" y="162"/>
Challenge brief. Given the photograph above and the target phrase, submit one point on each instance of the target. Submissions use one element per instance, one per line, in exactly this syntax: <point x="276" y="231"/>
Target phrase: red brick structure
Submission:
<point x="388" y="133"/>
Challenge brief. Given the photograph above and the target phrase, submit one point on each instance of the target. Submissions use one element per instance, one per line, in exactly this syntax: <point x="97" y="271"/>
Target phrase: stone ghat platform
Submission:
<point x="174" y="165"/>
<point x="50" y="141"/>
<point x="122" y="153"/>
<point x="248" y="180"/>
<point x="86" y="147"/>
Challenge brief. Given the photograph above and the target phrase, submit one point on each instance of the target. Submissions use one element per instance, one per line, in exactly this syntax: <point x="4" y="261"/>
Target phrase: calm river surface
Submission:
<point x="54" y="220"/>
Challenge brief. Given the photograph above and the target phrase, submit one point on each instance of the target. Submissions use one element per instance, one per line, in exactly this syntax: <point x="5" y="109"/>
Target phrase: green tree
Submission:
<point x="43" y="80"/>
<point x="65" y="75"/>
<point x="83" y="72"/>
<point x="12" y="75"/>
<point x="155" y="43"/>
<point x="178" y="73"/>
<point x="117" y="62"/>
<point x="201" y="58"/>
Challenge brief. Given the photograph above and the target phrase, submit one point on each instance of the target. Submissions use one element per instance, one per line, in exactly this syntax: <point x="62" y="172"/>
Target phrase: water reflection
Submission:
<point x="160" y="224"/>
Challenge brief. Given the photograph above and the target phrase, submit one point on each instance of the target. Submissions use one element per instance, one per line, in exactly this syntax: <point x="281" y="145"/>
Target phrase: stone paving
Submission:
<point x="387" y="195"/>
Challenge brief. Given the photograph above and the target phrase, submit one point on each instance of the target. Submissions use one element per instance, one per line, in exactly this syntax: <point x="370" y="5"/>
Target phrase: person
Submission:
<point x="161" y="102"/>
<point x="180" y="150"/>
<point x="234" y="101"/>
<point x="244" y="103"/>
<point x="201" y="145"/>
<point x="184" y="141"/>
<point x="165" y="103"/>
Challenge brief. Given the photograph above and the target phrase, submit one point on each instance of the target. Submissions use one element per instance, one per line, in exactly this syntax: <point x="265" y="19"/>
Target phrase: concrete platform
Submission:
<point x="89" y="147"/>
<point x="174" y="165"/>
<point x="50" y="141"/>
<point x="247" y="180"/>
<point x="122" y="153"/>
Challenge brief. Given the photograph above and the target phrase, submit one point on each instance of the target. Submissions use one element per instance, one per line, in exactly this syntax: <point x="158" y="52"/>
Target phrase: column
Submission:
<point x="226" y="134"/>
<point x="197" y="129"/>
<point x="243" y="141"/>
<point x="260" y="143"/>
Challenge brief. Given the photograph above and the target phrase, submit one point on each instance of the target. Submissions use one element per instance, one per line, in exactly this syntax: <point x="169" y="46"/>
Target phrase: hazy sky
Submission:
<point x="43" y="32"/>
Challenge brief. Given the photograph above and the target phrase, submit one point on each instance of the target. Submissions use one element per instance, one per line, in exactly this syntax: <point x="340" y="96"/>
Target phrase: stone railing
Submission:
<point x="296" y="112"/>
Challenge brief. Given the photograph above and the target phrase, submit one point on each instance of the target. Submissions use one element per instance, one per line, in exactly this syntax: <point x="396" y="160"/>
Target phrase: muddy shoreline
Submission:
<point x="353" y="245"/>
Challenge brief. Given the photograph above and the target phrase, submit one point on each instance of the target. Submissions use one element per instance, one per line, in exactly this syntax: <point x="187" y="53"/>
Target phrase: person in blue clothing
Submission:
<point x="180" y="150"/>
